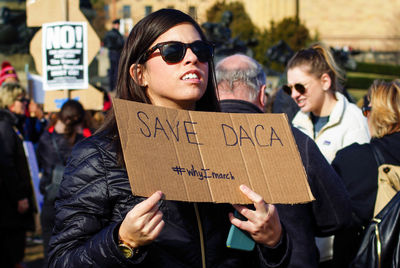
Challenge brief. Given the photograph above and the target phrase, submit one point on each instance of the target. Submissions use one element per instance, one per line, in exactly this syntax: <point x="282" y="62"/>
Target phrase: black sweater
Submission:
<point x="359" y="171"/>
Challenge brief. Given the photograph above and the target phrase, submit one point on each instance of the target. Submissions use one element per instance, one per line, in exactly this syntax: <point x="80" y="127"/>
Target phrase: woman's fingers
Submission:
<point x="148" y="204"/>
<point x="263" y="223"/>
<point x="153" y="222"/>
<point x="257" y="199"/>
<point x="143" y="223"/>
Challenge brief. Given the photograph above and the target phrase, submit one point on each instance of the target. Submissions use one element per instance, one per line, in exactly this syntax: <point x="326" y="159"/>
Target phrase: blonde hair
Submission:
<point x="385" y="107"/>
<point x="319" y="61"/>
<point x="9" y="93"/>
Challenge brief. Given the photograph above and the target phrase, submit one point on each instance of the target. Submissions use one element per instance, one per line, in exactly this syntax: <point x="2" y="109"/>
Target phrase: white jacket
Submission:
<point x="346" y="125"/>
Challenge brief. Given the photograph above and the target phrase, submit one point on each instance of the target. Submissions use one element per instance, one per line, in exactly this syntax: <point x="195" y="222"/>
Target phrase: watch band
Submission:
<point x="127" y="250"/>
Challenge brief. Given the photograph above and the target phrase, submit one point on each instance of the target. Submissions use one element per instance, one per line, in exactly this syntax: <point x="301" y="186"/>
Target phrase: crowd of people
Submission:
<point x="90" y="218"/>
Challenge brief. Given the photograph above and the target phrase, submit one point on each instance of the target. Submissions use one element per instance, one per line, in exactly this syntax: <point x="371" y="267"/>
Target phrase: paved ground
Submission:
<point x="33" y="256"/>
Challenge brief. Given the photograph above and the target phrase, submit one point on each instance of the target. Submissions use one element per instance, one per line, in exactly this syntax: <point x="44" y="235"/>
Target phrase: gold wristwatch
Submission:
<point x="127" y="250"/>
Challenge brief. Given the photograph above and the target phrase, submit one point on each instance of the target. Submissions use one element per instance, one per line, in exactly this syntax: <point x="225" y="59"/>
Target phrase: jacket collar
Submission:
<point x="239" y="106"/>
<point x="7" y="115"/>
<point x="304" y="119"/>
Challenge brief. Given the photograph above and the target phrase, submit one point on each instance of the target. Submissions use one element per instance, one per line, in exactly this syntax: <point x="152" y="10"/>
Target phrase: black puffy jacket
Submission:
<point x="15" y="181"/>
<point x="95" y="196"/>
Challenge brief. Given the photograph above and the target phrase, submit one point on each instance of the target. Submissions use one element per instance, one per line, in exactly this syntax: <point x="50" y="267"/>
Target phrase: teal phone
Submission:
<point x="239" y="239"/>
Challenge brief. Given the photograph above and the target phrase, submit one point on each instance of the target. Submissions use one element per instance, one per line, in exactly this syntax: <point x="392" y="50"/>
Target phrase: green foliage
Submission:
<point x="99" y="21"/>
<point x="98" y="3"/>
<point x="385" y="69"/>
<point x="366" y="73"/>
<point x="293" y="32"/>
<point x="241" y="26"/>
<point x="364" y="80"/>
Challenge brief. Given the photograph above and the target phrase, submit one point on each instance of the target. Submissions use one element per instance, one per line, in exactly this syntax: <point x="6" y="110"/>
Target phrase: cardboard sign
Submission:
<point x="35" y="87"/>
<point x="91" y="99"/>
<point x="39" y="12"/>
<point x="205" y="157"/>
<point x="64" y="58"/>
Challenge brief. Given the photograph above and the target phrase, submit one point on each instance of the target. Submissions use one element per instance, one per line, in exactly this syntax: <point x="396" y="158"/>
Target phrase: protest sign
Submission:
<point x="34" y="172"/>
<point x="205" y="157"/>
<point x="51" y="11"/>
<point x="64" y="58"/>
<point x="91" y="99"/>
<point x="35" y="87"/>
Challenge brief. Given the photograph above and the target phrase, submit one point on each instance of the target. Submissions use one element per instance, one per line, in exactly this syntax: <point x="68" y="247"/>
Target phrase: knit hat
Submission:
<point x="7" y="71"/>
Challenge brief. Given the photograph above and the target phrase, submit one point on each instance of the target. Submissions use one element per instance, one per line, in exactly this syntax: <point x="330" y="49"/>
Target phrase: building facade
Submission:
<point x="367" y="25"/>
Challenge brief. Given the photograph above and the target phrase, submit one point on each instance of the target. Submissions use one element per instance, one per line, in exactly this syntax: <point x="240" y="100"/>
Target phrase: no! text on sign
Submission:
<point x="65" y="64"/>
<point x="206" y="156"/>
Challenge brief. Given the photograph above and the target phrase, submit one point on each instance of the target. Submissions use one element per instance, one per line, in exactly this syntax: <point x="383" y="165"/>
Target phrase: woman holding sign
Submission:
<point x="166" y="62"/>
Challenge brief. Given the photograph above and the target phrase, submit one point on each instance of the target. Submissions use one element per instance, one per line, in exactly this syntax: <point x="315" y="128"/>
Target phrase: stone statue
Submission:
<point x="15" y="36"/>
<point x="281" y="53"/>
<point x="221" y="36"/>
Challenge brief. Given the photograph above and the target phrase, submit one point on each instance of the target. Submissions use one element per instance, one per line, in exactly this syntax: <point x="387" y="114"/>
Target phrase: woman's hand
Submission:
<point x="143" y="223"/>
<point x="263" y="224"/>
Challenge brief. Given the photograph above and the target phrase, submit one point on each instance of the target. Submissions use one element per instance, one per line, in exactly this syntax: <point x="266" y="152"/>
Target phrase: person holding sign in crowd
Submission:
<point x="241" y="87"/>
<point x="99" y="223"/>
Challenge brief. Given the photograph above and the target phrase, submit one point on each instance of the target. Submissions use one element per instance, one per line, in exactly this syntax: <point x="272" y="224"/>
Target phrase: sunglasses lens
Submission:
<point x="287" y="89"/>
<point x="173" y="52"/>
<point x="300" y="88"/>
<point x="366" y="110"/>
<point x="202" y="50"/>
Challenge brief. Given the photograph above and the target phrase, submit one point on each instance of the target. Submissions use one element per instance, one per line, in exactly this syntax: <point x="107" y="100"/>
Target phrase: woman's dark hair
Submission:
<point x="71" y="114"/>
<point x="319" y="60"/>
<point x="142" y="36"/>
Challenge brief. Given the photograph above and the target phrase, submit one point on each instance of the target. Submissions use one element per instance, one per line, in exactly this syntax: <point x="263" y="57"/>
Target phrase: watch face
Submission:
<point x="128" y="252"/>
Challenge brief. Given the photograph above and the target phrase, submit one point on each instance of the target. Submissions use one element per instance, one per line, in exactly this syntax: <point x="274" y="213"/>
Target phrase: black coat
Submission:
<point x="326" y="215"/>
<point x="358" y="169"/>
<point x="15" y="181"/>
<point x="48" y="157"/>
<point x="95" y="196"/>
<point x="114" y="40"/>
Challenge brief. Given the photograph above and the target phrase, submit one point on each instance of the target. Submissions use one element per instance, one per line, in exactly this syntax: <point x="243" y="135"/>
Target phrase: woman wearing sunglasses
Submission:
<point x="358" y="167"/>
<point x="166" y="62"/>
<point x="325" y="114"/>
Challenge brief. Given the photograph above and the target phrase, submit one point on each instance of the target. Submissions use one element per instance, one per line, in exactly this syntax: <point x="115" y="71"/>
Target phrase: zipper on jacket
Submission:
<point x="203" y="254"/>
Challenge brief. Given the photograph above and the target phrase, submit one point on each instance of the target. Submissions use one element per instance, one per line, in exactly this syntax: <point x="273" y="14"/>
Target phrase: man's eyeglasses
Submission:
<point x="365" y="110"/>
<point x="174" y="51"/>
<point x="299" y="87"/>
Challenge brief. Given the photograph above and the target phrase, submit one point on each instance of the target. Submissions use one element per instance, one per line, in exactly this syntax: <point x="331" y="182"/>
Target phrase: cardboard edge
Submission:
<point x="310" y="194"/>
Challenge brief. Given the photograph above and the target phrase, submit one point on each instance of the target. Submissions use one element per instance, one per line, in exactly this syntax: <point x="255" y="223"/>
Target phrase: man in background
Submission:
<point x="114" y="41"/>
<point x="241" y="87"/>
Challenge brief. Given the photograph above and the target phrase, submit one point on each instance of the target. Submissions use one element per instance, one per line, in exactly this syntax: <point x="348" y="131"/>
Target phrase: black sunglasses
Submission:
<point x="174" y="51"/>
<point x="365" y="110"/>
<point x="22" y="99"/>
<point x="299" y="87"/>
